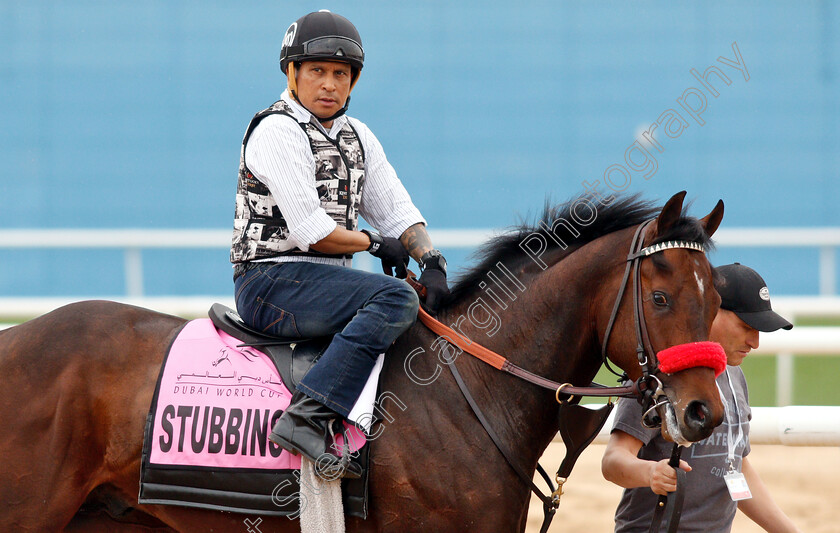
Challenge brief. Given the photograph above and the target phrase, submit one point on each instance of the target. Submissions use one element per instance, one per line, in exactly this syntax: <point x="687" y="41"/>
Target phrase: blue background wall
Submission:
<point x="131" y="114"/>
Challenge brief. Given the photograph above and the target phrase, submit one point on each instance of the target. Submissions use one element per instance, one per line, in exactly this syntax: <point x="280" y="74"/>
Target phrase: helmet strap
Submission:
<point x="291" y="76"/>
<point x="356" y="73"/>
<point x="337" y="113"/>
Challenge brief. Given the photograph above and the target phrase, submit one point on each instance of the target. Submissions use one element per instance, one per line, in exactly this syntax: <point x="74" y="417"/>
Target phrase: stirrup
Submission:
<point x="345" y="467"/>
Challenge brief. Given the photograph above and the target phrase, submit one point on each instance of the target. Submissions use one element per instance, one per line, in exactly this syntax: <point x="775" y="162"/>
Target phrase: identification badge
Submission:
<point x="737" y="485"/>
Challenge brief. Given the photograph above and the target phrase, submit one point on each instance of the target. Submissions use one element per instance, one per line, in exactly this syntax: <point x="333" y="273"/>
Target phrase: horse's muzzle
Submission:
<point x="690" y="419"/>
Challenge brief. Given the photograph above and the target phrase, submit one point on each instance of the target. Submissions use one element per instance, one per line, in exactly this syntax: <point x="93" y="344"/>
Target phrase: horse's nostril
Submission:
<point x="697" y="415"/>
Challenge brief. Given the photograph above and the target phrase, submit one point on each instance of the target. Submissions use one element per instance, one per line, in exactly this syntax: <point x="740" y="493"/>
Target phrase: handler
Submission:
<point x="306" y="172"/>
<point x="634" y="455"/>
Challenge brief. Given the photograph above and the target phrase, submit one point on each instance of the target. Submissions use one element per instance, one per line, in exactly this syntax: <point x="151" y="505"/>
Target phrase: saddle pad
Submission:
<point x="206" y="441"/>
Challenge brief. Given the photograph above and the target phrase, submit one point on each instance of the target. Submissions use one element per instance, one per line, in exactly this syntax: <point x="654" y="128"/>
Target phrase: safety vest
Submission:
<point x="259" y="229"/>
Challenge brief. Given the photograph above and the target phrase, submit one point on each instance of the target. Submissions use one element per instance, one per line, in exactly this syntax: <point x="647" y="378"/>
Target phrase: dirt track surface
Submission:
<point x="804" y="481"/>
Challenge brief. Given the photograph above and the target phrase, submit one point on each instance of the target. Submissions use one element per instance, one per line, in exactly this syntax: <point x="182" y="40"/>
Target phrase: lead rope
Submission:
<point x="670" y="506"/>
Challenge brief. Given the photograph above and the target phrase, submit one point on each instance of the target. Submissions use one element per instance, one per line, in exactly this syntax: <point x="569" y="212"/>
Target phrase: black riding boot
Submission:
<point x="304" y="428"/>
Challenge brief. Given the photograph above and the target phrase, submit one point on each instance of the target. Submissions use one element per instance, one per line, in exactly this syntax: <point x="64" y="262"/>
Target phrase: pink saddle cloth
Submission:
<point x="217" y="402"/>
<point x="206" y="440"/>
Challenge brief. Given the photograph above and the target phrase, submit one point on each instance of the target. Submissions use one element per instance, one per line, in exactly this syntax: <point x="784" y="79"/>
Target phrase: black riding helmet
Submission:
<point x="326" y="36"/>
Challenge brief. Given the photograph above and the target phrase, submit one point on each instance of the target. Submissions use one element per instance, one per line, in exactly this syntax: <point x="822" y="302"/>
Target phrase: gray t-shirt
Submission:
<point x="708" y="506"/>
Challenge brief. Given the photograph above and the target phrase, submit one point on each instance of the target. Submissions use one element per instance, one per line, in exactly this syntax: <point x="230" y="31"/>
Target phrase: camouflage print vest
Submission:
<point x="259" y="229"/>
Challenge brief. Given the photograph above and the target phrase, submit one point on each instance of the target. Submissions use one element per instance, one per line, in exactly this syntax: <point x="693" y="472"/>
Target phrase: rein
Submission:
<point x="647" y="388"/>
<point x="501" y="363"/>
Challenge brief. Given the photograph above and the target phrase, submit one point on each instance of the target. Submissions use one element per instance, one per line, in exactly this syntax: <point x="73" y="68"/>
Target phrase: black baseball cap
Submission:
<point x="745" y="293"/>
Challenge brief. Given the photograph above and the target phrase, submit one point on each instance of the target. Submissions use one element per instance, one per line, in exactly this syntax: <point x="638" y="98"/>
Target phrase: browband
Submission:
<point x="667" y="245"/>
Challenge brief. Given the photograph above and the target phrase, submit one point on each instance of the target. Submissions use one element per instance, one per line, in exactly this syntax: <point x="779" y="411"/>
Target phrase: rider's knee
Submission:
<point x="402" y="296"/>
<point x="412" y="303"/>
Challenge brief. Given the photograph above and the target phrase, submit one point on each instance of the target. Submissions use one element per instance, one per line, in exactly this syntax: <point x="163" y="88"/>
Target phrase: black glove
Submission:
<point x="434" y="279"/>
<point x="393" y="254"/>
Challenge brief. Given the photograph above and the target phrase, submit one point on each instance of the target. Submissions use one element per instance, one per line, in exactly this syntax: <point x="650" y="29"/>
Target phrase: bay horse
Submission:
<point x="79" y="382"/>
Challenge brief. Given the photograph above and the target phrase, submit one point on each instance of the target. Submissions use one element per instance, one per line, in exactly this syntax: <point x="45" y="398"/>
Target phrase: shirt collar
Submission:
<point x="301" y="114"/>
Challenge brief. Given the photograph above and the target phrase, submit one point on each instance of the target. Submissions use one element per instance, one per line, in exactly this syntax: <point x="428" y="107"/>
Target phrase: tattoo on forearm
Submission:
<point x="416" y="240"/>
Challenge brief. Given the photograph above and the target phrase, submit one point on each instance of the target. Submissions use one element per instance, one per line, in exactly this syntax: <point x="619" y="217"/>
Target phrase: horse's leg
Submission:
<point x="79" y="384"/>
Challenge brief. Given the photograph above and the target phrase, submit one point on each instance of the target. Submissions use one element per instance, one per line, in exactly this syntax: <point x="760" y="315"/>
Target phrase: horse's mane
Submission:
<point x="623" y="212"/>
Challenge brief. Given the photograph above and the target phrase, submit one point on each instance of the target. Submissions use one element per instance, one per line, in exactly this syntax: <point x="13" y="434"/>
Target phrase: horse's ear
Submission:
<point x="711" y="221"/>
<point x="670" y="213"/>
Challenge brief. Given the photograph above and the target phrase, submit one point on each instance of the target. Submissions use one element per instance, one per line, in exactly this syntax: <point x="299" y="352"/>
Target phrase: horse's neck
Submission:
<point x="545" y="330"/>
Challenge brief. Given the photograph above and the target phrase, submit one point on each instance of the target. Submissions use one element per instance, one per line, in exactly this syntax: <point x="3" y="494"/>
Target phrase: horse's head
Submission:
<point x="669" y="300"/>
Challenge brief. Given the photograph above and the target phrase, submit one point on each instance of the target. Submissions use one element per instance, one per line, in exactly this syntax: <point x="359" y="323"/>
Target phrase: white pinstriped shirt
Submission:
<point x="279" y="155"/>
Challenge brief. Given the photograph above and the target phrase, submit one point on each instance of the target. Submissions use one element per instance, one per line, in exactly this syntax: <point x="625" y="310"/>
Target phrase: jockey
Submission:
<point x="293" y="278"/>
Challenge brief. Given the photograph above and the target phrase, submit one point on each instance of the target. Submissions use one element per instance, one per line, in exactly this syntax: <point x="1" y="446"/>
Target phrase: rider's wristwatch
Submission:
<point x="433" y="259"/>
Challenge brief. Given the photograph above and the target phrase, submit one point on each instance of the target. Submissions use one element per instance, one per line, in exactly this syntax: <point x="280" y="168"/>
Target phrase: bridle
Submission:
<point x="648" y="388"/>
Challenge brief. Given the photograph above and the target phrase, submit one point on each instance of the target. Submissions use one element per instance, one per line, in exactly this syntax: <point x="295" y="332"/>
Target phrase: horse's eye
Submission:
<point x="660" y="299"/>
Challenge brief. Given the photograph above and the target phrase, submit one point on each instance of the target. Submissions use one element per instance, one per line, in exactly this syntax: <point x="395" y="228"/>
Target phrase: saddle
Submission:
<point x="293" y="357"/>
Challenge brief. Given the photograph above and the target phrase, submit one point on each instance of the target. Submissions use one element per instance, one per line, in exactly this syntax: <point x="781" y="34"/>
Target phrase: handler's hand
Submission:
<point x="663" y="477"/>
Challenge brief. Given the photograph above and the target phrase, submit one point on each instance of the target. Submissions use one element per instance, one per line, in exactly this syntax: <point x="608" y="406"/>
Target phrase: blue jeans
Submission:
<point x="366" y="313"/>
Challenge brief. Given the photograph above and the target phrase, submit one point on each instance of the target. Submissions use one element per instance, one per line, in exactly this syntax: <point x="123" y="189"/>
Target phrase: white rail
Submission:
<point x="133" y="241"/>
<point x="824" y="238"/>
<point x="798" y="341"/>
<point x="813" y="340"/>
<point x="799" y="306"/>
<point x="795" y="425"/>
<point x="196" y="305"/>
<point x="15" y="309"/>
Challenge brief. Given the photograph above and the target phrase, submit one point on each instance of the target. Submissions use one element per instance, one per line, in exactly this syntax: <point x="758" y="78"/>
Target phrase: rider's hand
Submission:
<point x="434" y="278"/>
<point x="436" y="288"/>
<point x="393" y="254"/>
<point x="663" y="477"/>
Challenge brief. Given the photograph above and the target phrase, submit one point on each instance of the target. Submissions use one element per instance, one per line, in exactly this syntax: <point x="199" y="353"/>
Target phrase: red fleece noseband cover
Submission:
<point x="682" y="356"/>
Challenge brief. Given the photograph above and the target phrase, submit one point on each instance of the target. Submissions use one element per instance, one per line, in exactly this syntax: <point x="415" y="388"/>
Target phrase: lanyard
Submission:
<point x="731" y="444"/>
